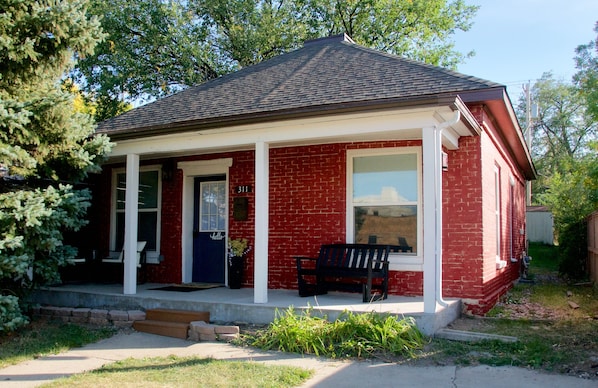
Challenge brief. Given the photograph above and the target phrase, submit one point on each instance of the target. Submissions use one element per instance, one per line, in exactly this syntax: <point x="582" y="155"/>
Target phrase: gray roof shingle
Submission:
<point x="325" y="73"/>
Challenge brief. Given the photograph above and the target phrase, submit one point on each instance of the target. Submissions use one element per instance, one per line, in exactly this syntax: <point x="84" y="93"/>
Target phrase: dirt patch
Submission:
<point x="573" y="334"/>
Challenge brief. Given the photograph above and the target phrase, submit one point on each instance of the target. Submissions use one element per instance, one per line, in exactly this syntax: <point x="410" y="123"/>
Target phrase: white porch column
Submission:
<point x="262" y="176"/>
<point x="431" y="207"/>
<point x="131" y="203"/>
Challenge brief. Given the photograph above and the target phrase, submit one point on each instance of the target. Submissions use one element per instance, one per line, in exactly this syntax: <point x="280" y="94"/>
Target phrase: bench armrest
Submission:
<point x="304" y="258"/>
<point x="300" y="259"/>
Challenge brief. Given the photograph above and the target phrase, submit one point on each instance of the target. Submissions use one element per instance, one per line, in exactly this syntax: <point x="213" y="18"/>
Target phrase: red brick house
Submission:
<point x="332" y="142"/>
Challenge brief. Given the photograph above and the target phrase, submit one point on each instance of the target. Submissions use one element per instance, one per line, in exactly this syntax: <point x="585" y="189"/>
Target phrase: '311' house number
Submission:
<point x="243" y="189"/>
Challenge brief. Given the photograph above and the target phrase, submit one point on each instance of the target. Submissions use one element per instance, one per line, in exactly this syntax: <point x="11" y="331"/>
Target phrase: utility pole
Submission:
<point x="530" y="114"/>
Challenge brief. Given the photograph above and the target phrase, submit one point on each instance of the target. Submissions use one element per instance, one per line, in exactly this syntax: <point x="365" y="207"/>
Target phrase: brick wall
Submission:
<point x="307" y="208"/>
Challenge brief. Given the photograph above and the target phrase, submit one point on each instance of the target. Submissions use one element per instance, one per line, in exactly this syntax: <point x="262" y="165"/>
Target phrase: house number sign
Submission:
<point x="243" y="189"/>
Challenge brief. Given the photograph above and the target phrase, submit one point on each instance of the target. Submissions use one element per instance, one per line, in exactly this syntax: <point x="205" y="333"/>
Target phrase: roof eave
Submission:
<point x="286" y="114"/>
<point x="498" y="102"/>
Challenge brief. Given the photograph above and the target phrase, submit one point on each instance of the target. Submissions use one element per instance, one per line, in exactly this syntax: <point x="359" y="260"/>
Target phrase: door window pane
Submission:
<point x="213" y="206"/>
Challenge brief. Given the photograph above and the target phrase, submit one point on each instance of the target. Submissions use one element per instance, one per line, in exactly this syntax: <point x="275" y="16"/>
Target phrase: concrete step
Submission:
<point x="168" y="329"/>
<point x="184" y="316"/>
<point x="470" y="336"/>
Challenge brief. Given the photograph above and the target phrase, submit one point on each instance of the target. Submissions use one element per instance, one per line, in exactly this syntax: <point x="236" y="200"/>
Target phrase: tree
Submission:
<point x="586" y="77"/>
<point x="45" y="145"/>
<point x="158" y="47"/>
<point x="564" y="149"/>
<point x="572" y="194"/>
<point x="418" y="29"/>
<point x="563" y="130"/>
<point x="153" y="48"/>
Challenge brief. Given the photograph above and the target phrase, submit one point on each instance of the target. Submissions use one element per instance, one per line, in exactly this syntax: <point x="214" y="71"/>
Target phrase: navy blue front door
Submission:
<point x="209" y="229"/>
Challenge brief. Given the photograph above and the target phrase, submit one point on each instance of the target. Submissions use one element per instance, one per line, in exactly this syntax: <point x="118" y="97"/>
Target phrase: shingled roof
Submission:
<point x="325" y="75"/>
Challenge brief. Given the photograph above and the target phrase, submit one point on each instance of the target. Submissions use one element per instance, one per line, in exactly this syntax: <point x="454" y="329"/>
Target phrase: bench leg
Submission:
<point x="367" y="293"/>
<point x="306" y="289"/>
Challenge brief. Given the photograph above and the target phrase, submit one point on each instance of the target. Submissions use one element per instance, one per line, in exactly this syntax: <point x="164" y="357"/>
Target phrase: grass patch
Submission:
<point x="545" y="258"/>
<point x="352" y="335"/>
<point x="552" y="335"/>
<point x="42" y="337"/>
<point x="553" y="346"/>
<point x="187" y="372"/>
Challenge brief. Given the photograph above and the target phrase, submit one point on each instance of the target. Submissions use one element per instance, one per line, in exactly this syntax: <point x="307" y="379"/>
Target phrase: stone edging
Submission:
<point x="100" y="317"/>
<point x="198" y="330"/>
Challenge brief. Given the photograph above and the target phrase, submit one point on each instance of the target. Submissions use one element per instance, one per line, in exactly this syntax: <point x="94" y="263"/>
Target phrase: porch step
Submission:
<point x="170" y="323"/>
<point x="168" y="329"/>
<point x="185" y="316"/>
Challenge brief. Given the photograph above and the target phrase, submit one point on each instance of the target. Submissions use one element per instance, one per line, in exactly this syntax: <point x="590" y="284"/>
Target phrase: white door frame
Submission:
<point x="191" y="170"/>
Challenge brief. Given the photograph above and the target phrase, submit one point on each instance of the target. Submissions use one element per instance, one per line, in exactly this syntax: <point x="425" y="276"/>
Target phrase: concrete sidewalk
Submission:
<point x="328" y="373"/>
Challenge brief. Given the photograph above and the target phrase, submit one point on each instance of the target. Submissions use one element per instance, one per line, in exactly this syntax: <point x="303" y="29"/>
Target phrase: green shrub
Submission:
<point x="351" y="335"/>
<point x="573" y="250"/>
<point x="11" y="317"/>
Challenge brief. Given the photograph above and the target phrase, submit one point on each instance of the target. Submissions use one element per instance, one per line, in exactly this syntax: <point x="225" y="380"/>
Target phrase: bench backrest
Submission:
<point x="354" y="256"/>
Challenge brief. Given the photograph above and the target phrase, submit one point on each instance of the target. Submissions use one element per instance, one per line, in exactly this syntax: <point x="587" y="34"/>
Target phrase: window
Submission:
<point x="497" y="217"/>
<point x="213" y="206"/>
<point x="148" y="221"/>
<point x="384" y="197"/>
<point x="497" y="209"/>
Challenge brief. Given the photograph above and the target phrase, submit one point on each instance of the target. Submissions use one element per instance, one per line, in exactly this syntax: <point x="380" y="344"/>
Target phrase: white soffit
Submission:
<point x="371" y="126"/>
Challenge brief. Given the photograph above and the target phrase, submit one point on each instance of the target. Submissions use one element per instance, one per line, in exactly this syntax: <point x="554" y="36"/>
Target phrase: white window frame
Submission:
<point x="497" y="218"/>
<point x="152" y="257"/>
<point x="398" y="261"/>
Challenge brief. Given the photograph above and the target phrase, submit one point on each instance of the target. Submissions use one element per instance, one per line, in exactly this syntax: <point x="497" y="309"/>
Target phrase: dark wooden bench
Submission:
<point x="345" y="267"/>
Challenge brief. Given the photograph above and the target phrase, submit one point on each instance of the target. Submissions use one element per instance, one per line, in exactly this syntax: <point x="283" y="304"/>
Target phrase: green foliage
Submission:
<point x="10" y="311"/>
<point x="44" y="141"/>
<point x="352" y="335"/>
<point x="32" y="222"/>
<point x="417" y="29"/>
<point x="153" y="48"/>
<point x="572" y="196"/>
<point x="158" y="47"/>
<point x="573" y="245"/>
<point x="545" y="258"/>
<point x="586" y="77"/>
<point x="564" y="151"/>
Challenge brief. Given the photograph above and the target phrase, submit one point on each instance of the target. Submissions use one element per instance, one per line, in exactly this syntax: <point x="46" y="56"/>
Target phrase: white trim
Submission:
<point x="151" y="256"/>
<point x="192" y="169"/>
<point x="498" y="217"/>
<point x="131" y="212"/>
<point x="398" y="261"/>
<point x="404" y="124"/>
<point x="262" y="206"/>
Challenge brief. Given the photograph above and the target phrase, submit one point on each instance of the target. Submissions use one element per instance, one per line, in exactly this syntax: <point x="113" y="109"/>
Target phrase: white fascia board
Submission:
<point x="450" y="139"/>
<point x="370" y="126"/>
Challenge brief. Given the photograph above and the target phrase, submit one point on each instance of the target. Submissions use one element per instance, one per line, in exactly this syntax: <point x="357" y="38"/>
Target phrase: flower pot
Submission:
<point x="235" y="272"/>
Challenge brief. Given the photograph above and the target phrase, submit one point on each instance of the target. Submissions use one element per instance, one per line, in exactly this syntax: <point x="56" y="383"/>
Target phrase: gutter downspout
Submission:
<point x="438" y="208"/>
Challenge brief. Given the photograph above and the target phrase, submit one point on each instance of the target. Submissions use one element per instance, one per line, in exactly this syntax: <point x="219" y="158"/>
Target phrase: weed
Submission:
<point x="351" y="335"/>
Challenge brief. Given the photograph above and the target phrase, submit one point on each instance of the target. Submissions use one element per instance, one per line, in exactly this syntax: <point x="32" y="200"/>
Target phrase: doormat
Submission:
<point x="187" y="287"/>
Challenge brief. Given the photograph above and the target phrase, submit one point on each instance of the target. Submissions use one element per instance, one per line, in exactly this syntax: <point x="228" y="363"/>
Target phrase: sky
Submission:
<point x="516" y="41"/>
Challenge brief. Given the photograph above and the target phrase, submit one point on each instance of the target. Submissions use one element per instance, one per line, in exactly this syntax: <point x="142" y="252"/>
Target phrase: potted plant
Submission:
<point x="237" y="249"/>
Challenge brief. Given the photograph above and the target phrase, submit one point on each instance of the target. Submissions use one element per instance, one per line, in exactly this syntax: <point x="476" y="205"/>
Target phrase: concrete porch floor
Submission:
<point x="228" y="305"/>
